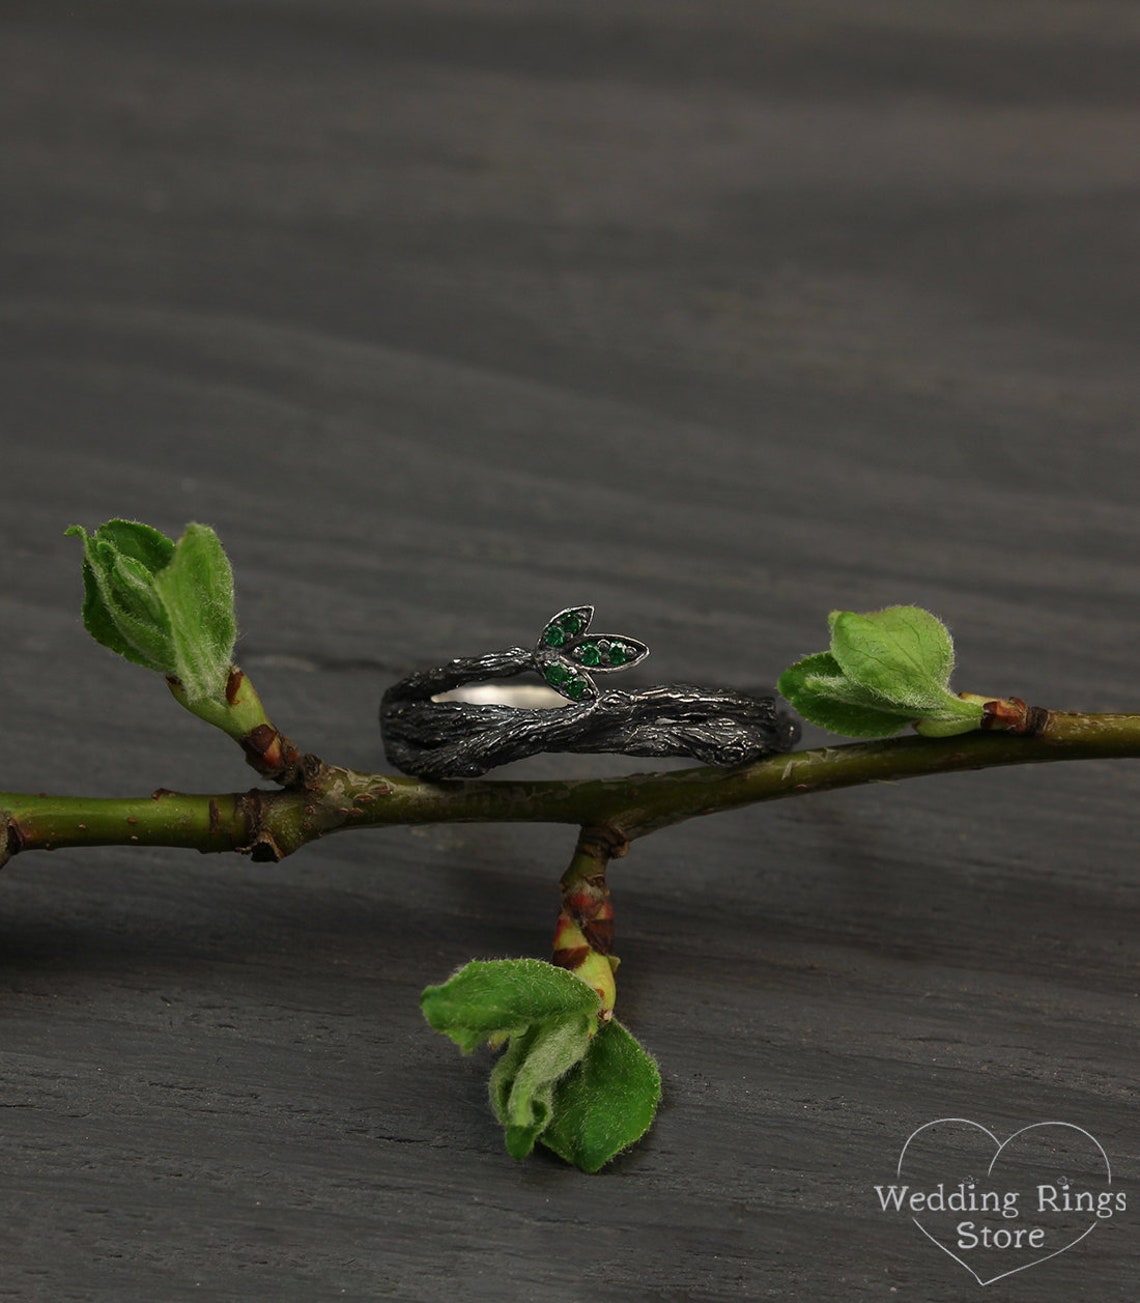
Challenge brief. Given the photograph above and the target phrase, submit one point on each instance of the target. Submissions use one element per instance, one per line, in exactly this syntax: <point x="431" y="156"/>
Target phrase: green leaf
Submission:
<point x="197" y="591"/>
<point x="524" y="1079"/>
<point x="120" y="608"/>
<point x="903" y="654"/>
<point x="166" y="606"/>
<point x="134" y="539"/>
<point x="884" y="670"/>
<point x="586" y="1092"/>
<point x="606" y="1103"/>
<point x="820" y="692"/>
<point x="493" y="999"/>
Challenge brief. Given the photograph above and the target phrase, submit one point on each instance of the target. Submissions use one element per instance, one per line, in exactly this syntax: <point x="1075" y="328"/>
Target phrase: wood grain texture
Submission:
<point x="449" y="315"/>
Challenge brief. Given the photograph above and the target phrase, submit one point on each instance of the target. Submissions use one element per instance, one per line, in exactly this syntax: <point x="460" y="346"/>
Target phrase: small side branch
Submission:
<point x="584" y="934"/>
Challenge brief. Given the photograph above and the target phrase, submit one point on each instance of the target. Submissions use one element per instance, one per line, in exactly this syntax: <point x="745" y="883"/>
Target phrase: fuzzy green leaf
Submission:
<point x="197" y="591"/>
<point x="524" y="1079"/>
<point x="545" y="1014"/>
<point x="586" y="1092"/>
<point x="820" y="692"/>
<point x="166" y="606"/>
<point x="134" y="539"/>
<point x="884" y="670"/>
<point x="606" y="1103"/>
<point x="120" y="607"/>
<point x="903" y="653"/>
<point x="493" y="999"/>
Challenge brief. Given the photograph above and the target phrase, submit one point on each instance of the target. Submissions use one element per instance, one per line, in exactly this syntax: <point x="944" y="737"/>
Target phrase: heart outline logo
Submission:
<point x="1000" y="1146"/>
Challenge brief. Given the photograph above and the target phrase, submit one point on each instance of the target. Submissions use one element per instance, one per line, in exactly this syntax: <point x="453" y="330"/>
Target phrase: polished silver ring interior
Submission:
<point x="460" y="720"/>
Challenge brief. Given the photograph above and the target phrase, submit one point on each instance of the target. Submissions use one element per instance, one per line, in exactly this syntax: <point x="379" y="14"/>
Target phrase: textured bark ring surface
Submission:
<point x="437" y="739"/>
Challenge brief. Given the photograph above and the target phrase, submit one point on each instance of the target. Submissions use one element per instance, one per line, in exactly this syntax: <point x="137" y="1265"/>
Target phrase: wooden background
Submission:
<point x="447" y="314"/>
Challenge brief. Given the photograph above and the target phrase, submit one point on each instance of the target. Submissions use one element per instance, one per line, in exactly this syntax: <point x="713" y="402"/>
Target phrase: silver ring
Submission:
<point x="435" y="724"/>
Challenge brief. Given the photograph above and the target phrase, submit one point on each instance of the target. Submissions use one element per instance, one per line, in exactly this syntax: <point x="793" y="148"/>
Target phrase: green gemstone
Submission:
<point x="591" y="654"/>
<point x="576" y="689"/>
<point x="571" y="624"/>
<point x="553" y="637"/>
<point x="620" y="653"/>
<point x="557" y="675"/>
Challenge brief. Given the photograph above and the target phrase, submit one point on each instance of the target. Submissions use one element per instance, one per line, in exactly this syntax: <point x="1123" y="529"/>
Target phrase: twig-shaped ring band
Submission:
<point x="435" y="735"/>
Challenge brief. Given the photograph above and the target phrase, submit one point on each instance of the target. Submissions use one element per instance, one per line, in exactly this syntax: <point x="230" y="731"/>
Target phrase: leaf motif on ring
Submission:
<point x="564" y="654"/>
<point x="608" y="652"/>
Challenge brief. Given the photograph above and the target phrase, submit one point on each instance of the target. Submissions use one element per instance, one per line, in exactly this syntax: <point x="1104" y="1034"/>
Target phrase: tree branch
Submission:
<point x="269" y="825"/>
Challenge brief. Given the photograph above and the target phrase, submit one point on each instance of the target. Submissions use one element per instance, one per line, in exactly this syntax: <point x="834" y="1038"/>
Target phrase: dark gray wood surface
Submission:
<point x="447" y="315"/>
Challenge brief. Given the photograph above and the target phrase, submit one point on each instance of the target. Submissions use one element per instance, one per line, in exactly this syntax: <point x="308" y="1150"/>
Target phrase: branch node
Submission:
<point x="13" y="841"/>
<point x="265" y="849"/>
<point x="601" y="842"/>
<point x="1012" y="715"/>
<point x="260" y="844"/>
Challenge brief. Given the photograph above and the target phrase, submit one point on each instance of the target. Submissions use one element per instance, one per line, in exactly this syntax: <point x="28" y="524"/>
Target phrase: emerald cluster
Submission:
<point x="604" y="653"/>
<point x="564" y="653"/>
<point x="564" y="628"/>
<point x="574" y="686"/>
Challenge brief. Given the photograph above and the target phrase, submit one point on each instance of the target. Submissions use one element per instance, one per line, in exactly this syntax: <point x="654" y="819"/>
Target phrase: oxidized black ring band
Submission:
<point x="462" y="738"/>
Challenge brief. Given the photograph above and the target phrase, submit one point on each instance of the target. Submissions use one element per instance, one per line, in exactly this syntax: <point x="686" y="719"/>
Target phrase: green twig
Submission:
<point x="271" y="824"/>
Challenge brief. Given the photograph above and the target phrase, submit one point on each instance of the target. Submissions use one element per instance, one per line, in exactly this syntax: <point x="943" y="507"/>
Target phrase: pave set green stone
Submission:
<point x="562" y="648"/>
<point x="574" y="686"/>
<point x="563" y="628"/>
<point x="603" y="653"/>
